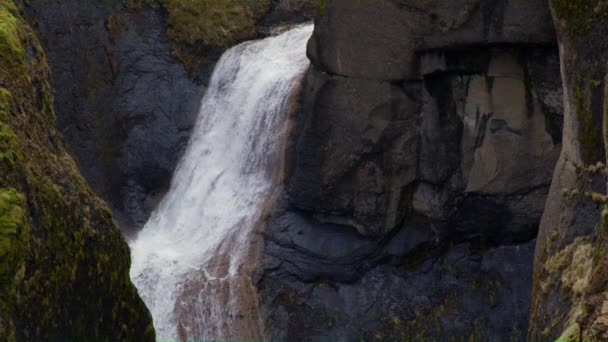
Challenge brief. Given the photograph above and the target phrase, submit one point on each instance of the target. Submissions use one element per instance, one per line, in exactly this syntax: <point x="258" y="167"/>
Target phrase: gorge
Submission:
<point x="402" y="170"/>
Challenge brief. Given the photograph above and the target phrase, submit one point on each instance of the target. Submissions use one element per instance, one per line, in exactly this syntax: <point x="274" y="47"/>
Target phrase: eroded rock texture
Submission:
<point x="421" y="158"/>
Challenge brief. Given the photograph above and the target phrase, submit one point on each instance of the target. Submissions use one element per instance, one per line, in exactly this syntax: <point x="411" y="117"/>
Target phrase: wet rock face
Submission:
<point x="417" y="175"/>
<point x="125" y="107"/>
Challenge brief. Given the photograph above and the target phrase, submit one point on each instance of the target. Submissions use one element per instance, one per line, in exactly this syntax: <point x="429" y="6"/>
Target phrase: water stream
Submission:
<point x="192" y="260"/>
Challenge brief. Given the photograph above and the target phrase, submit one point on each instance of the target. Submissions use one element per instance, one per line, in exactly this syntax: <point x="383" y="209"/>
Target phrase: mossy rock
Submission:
<point x="217" y="23"/>
<point x="195" y="26"/>
<point x="198" y="28"/>
<point x="577" y="17"/>
<point x="578" y="24"/>
<point x="13" y="236"/>
<point x="64" y="267"/>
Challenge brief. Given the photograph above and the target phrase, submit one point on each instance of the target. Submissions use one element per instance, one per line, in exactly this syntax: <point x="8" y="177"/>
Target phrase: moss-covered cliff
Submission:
<point x="63" y="263"/>
<point x="570" y="291"/>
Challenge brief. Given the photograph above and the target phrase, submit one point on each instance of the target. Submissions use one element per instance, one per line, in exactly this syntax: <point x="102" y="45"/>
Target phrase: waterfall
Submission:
<point x="191" y="262"/>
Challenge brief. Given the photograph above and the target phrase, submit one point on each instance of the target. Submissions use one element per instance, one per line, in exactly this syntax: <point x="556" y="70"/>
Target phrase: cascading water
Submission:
<point x="191" y="261"/>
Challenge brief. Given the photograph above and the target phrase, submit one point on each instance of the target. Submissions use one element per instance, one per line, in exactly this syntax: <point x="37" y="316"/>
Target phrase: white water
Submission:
<point x="195" y="244"/>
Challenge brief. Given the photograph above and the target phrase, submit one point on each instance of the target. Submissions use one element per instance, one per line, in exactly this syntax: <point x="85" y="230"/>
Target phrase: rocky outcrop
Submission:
<point x="129" y="79"/>
<point x="409" y="26"/>
<point x="570" y="291"/>
<point x="64" y="267"/>
<point x="421" y="158"/>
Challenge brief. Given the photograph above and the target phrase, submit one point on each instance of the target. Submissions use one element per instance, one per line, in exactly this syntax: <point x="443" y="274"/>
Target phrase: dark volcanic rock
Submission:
<point x="460" y="292"/>
<point x="355" y="151"/>
<point x="125" y="106"/>
<point x="417" y="173"/>
<point x="377" y="39"/>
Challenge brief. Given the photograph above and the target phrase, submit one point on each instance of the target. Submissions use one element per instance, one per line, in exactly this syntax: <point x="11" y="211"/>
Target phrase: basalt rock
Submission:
<point x="417" y="173"/>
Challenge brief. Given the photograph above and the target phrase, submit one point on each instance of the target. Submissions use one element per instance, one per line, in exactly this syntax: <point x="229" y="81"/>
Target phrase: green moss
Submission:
<point x="11" y="218"/>
<point x="12" y="55"/>
<point x="59" y="246"/>
<point x="321" y="7"/>
<point x="12" y="225"/>
<point x="10" y="42"/>
<point x="571" y="334"/>
<point x="571" y="269"/>
<point x="196" y="25"/>
<point x="575" y="264"/>
<point x="12" y="254"/>
<point x="9" y="153"/>
<point x="219" y="23"/>
<point x="578" y="16"/>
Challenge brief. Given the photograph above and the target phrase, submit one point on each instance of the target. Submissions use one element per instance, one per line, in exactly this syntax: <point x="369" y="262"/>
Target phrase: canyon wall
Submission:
<point x="129" y="77"/>
<point x="422" y="154"/>
<point x="64" y="266"/>
<point x="570" y="271"/>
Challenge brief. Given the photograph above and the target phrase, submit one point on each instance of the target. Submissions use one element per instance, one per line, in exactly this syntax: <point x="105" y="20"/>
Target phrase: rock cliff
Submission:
<point x="64" y="267"/>
<point x="422" y="154"/>
<point x="569" y="293"/>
